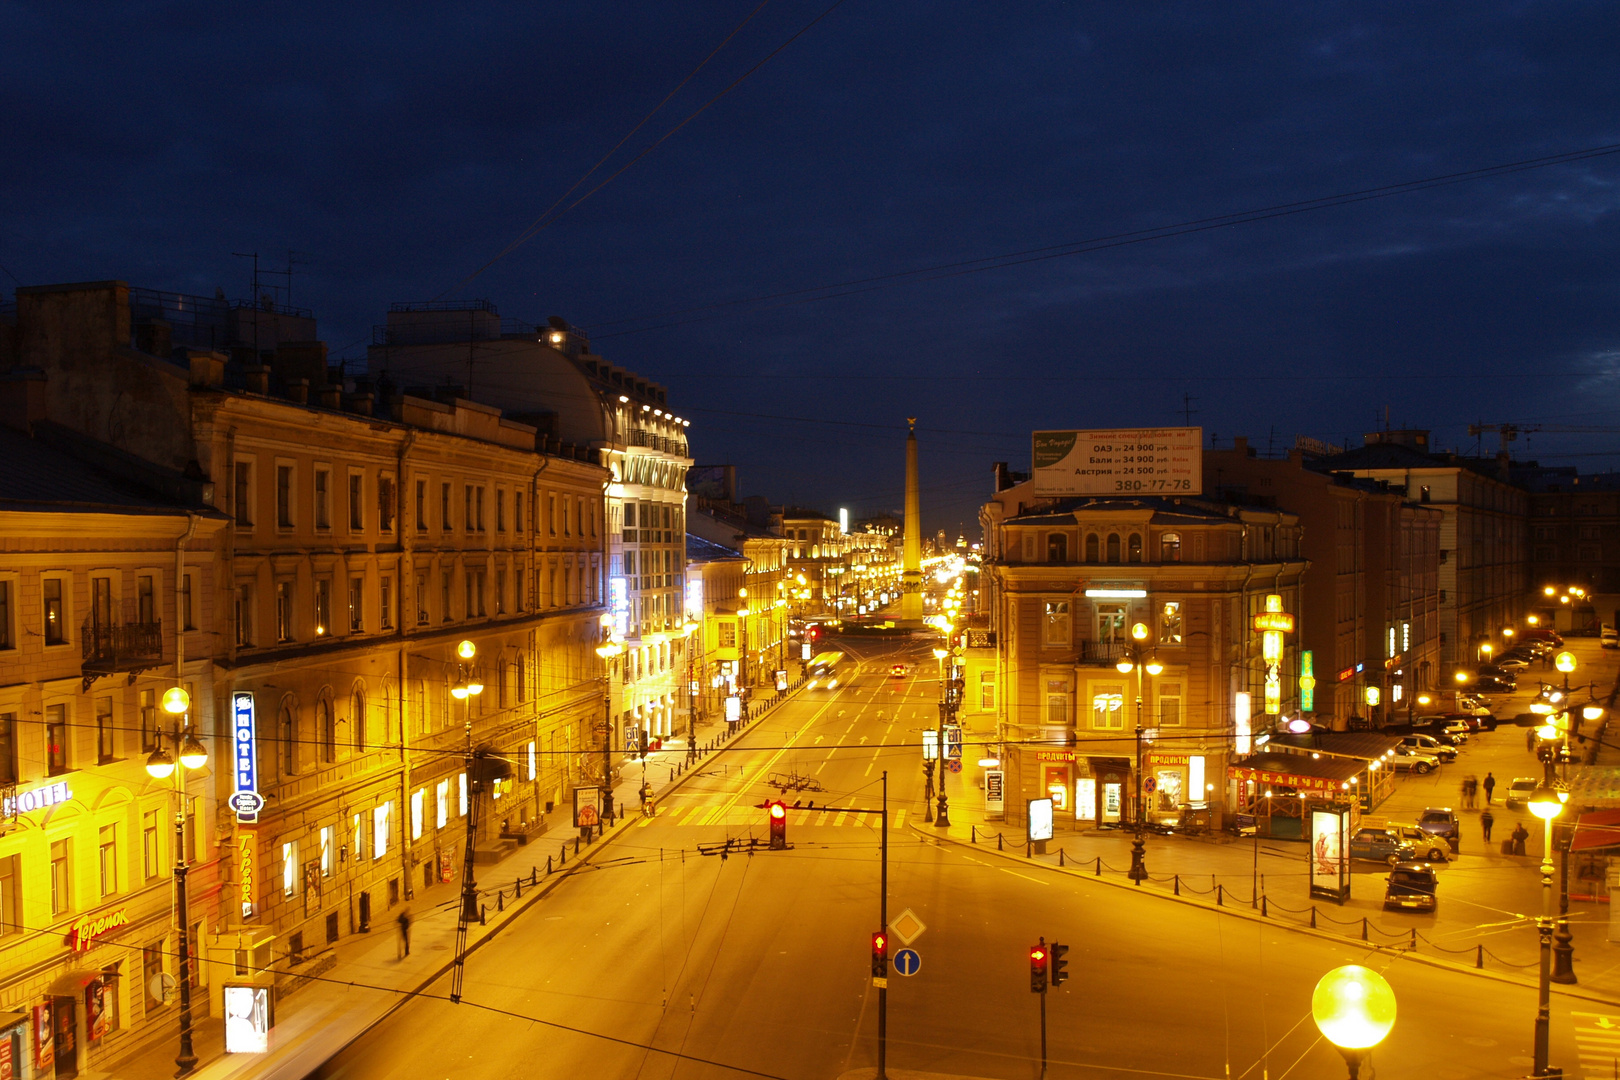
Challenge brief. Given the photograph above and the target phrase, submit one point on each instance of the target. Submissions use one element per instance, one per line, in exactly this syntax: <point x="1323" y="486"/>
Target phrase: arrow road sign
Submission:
<point x="907" y="962"/>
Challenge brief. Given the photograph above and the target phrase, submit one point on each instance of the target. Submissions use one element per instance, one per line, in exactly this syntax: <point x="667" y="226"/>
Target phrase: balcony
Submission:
<point x="115" y="647"/>
<point x="652" y="441"/>
<point x="1103" y="652"/>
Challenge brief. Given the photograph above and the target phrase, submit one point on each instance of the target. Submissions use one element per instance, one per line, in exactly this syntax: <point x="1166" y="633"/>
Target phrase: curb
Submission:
<point x="1239" y="913"/>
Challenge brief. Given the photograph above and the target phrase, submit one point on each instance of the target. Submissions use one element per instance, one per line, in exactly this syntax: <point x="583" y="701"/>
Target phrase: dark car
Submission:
<point x="1495" y="684"/>
<point x="1475" y="721"/>
<point x="1442" y="821"/>
<point x="1381" y="845"/>
<point x="1424" y="743"/>
<point x="1412" y="887"/>
<point x="1436" y="726"/>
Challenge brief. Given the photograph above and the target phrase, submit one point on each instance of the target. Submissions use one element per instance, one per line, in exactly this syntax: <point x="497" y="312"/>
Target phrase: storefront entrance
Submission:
<point x="65" y="1035"/>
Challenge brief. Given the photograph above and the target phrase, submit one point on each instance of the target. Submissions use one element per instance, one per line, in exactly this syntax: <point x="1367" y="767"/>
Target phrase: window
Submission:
<point x="10" y="915"/>
<point x="107" y="852"/>
<point x="1108" y="707"/>
<point x="1134" y="553"/>
<point x="1110" y="622"/>
<point x="55" y="614"/>
<point x="500" y="590"/>
<point x="385" y="503"/>
<point x="284" y="611"/>
<point x="359" y="837"/>
<point x="1091" y="547"/>
<point x="326" y="724"/>
<point x="151" y="844"/>
<point x="418" y="798"/>
<point x="468" y="515"/>
<point x="287" y="732"/>
<point x="1056" y="627"/>
<point x="323" y="498"/>
<point x="1057" y="548"/>
<point x="1113" y="547"/>
<point x="151" y="968"/>
<point x="289" y="869"/>
<point x="444" y="596"/>
<point x="8" y="748"/>
<point x="101" y="602"/>
<point x="357" y="708"/>
<point x="421" y="506"/>
<point x="987" y="691"/>
<point x="1170" y="623"/>
<point x="379" y="830"/>
<point x="357" y="504"/>
<point x="567" y="508"/>
<point x="1169" y="704"/>
<point x="444" y="507"/>
<point x="56" y="740"/>
<point x="1057" y="702"/>
<point x="244" y="494"/>
<point x="442" y="814"/>
<point x="105" y="745"/>
<point x="7" y="640"/>
<point x="61" y="877"/>
<point x="462" y="811"/>
<point x="385" y="598"/>
<point x="500" y="510"/>
<point x="1170" y="547"/>
<point x="328" y="841"/>
<point x="149" y="721"/>
<point x="421" y="598"/>
<point x="244" y="616"/>
<point x="551" y="515"/>
<point x="357" y="605"/>
<point x="517" y="511"/>
<point x="323" y="607"/>
<point x="284" y="496"/>
<point x="145" y="600"/>
<point x="185" y="604"/>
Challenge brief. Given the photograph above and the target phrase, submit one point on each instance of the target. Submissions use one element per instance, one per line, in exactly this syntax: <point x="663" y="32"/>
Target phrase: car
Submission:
<point x="1607" y="637"/>
<point x="1519" y="789"/>
<point x="1407" y="758"/>
<point x="1428" y="744"/>
<point x="1543" y="634"/>
<point x="1512" y="663"/>
<point x="1495" y="684"/>
<point x="1443" y="728"/>
<point x="1412" y="886"/>
<point x="1473" y="721"/>
<point x="1442" y="821"/>
<point x="1429" y="848"/>
<point x="1381" y="845"/>
<point x="1497" y="670"/>
<point x="899" y="671"/>
<point x="1468" y="703"/>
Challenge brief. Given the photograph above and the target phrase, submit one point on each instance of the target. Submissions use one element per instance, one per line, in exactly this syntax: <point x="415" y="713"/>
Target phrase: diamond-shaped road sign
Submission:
<point x="907" y="927"/>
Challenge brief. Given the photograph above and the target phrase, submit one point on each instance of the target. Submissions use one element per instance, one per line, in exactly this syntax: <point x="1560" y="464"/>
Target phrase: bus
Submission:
<point x="823" y="670"/>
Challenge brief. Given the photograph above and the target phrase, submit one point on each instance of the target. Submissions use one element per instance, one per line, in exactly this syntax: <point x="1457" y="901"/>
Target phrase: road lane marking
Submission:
<point x="1026" y="877"/>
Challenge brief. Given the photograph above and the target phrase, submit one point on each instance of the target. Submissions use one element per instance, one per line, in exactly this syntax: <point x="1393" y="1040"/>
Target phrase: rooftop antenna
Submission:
<point x="1187" y="410"/>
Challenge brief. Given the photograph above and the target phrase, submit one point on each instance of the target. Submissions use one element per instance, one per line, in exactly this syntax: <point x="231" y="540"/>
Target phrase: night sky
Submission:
<point x="397" y="149"/>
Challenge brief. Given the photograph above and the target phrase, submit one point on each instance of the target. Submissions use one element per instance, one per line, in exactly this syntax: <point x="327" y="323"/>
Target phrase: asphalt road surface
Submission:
<point x="663" y="961"/>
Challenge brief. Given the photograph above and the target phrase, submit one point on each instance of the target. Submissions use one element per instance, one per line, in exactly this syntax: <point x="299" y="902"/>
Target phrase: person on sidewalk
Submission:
<point x="1467" y="793"/>
<point x="1473" y="791"/>
<point x="1486" y="820"/>
<point x="404" y="933"/>
<point x="1490" y="786"/>
<point x="1520" y="835"/>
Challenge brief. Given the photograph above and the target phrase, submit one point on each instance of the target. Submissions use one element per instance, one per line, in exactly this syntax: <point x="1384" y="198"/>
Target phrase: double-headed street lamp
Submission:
<point x="942" y="818"/>
<point x="160" y="766"/>
<point x="610" y="650"/>
<point x="1546" y="803"/>
<point x="1133" y="660"/>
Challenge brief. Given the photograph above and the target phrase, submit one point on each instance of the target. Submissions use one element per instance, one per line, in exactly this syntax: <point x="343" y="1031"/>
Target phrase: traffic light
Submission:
<point x="1060" y="964"/>
<point x="880" y="955"/>
<point x="777" y="812"/>
<point x="1037" y="968"/>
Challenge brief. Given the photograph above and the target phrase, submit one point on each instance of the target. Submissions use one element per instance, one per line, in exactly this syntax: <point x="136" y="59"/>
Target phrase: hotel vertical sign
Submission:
<point x="245" y="800"/>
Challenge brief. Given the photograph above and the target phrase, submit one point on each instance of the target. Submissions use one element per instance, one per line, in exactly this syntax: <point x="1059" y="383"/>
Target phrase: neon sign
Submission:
<point x="87" y="929"/>
<point x="36" y="798"/>
<point x="246" y="800"/>
<point x="1273" y="623"/>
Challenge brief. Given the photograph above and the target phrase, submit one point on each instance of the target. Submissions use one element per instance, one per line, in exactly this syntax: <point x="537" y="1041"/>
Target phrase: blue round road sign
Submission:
<point x="907" y="962"/>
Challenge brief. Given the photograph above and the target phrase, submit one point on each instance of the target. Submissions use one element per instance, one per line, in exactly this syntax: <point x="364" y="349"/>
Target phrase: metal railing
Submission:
<point x="112" y="647"/>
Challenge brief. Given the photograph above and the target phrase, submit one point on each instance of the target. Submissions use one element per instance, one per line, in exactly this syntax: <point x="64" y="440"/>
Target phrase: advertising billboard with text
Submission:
<point x="1119" y="461"/>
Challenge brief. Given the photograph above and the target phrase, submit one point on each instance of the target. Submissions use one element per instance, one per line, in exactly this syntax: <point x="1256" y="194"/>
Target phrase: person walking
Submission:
<point x="1486" y="820"/>
<point x="1473" y="791"/>
<point x="404" y="933"/>
<point x="1490" y="786"/>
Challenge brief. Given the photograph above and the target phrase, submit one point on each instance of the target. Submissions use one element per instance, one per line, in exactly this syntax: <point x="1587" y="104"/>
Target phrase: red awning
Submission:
<point x="1595" y="830"/>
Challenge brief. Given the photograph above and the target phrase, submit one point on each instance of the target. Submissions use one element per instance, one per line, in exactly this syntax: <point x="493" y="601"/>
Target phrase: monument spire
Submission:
<point x="911" y="598"/>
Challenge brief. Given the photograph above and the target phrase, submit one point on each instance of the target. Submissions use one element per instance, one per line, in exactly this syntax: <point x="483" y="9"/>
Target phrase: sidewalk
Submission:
<point x="370" y="979"/>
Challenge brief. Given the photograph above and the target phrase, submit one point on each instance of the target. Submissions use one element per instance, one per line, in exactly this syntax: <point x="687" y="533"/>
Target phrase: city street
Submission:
<point x="666" y="961"/>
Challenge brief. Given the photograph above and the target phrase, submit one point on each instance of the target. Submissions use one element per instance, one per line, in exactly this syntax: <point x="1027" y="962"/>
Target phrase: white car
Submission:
<point x="1607" y="637"/>
<point x="1407" y="758"/>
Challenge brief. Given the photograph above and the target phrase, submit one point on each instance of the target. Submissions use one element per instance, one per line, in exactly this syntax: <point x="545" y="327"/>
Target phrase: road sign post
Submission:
<point x="907" y="962"/>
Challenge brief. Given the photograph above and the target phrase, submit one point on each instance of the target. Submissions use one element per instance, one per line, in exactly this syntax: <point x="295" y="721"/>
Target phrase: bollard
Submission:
<point x="1313" y="916"/>
<point x="500" y="900"/>
<point x="1265" y="911"/>
<point x="1414" y="939"/>
<point x="1178" y="884"/>
<point x="1099" y="866"/>
<point x="576" y="846"/>
<point x="1029" y="848"/>
<point x="1364" y="928"/>
<point x="517" y="889"/>
<point x="1220" y="895"/>
<point x="483" y="915"/>
<point x="1479" y="956"/>
<point x="1060" y="856"/>
<point x="534" y="874"/>
<point x="548" y="866"/>
<point x="973" y="834"/>
<point x="672" y="776"/>
<point x="998" y="842"/>
<point x="562" y="856"/>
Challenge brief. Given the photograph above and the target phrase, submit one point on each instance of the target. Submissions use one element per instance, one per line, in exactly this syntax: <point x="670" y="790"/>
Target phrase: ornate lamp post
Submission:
<point x="468" y="685"/>
<point x="1133" y="662"/>
<point x="160" y="765"/>
<point x="610" y="650"/>
<point x="1354" y="1008"/>
<point x="1546" y="802"/>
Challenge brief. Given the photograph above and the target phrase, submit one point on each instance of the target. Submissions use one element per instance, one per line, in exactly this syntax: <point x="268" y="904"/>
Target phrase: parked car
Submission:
<point x="1442" y="821"/>
<point x="1519" y="789"/>
<point x="1607" y="637"/>
<point x="1412" y="887"/>
<point x="1407" y="758"/>
<point x="1429" y="848"/>
<point x="1495" y="684"/>
<point x="1428" y="744"/>
<point x="1512" y="663"/>
<point x="1476" y="721"/>
<point x="1381" y="845"/>
<point x="1543" y="634"/>
<point x="1441" y="728"/>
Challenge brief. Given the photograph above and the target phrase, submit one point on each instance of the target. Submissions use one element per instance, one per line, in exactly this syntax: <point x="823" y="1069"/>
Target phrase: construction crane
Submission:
<point x="1510" y="432"/>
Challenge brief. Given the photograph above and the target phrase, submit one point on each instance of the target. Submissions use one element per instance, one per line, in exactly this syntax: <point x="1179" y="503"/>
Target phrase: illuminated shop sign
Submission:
<point x="246" y="800"/>
<point x="619" y="605"/>
<point x="36" y="798"/>
<point x="87" y="929"/>
<point x="1273" y="623"/>
<point x="1307" y="681"/>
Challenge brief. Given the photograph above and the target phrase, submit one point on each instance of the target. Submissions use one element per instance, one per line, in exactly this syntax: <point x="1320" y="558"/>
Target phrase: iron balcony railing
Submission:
<point x="121" y="646"/>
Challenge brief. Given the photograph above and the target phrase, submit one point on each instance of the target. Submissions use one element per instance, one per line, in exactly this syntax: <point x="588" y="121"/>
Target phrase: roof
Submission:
<point x="1596" y="829"/>
<point x="1595" y="787"/>
<point x="40" y="477"/>
<point x="1162" y="510"/>
<point x="1299" y="771"/>
<point x="1393" y="455"/>
<point x="699" y="550"/>
<point x="1365" y="745"/>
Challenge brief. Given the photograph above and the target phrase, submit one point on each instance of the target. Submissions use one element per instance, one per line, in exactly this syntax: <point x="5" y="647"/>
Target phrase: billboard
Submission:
<point x="1330" y="851"/>
<point x="1119" y="461"/>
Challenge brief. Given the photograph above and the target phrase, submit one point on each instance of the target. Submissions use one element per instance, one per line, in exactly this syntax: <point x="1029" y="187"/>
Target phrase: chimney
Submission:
<point x="297" y="390"/>
<point x="155" y="338"/>
<point x="331" y="397"/>
<point x="22" y="401"/>
<point x="207" y="368"/>
<point x="1240" y="445"/>
<point x="360" y="404"/>
<point x="256" y="378"/>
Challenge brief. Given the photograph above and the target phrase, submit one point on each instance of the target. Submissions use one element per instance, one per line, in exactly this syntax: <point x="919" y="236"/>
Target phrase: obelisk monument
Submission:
<point x="911" y="597"/>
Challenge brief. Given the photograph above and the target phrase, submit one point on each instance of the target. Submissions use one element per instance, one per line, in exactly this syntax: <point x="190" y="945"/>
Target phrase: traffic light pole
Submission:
<point x="883" y="923"/>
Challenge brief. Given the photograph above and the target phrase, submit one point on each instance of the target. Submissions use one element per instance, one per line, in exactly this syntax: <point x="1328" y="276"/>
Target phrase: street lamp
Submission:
<point x="1546" y="802"/>
<point x="1354" y="1008"/>
<point x="609" y="651"/>
<point x="942" y="818"/>
<point x="1133" y="661"/>
<point x="160" y="766"/>
<point x="467" y="686"/>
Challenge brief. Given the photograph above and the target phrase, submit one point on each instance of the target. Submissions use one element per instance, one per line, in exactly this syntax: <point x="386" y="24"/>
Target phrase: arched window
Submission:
<point x="1135" y="553"/>
<point x="1091" y="547"/>
<point x="1057" y="548"/>
<point x="326" y="724"/>
<point x="359" y="720"/>
<point x="500" y="684"/>
<point x="1113" y="547"/>
<point x="287" y="732"/>
<point x="1170" y="547"/>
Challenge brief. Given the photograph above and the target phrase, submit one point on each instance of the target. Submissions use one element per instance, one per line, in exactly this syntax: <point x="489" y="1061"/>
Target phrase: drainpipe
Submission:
<point x="408" y="861"/>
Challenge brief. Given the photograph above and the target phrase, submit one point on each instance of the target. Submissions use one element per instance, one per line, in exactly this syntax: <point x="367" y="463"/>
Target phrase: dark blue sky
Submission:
<point x="397" y="148"/>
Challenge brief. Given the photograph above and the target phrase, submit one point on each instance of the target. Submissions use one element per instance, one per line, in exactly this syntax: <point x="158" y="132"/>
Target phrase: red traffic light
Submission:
<point x="1037" y="954"/>
<point x="880" y="944"/>
<point x="777" y="810"/>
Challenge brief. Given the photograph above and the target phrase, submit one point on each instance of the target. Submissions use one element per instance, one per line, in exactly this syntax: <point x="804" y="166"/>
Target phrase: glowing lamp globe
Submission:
<point x="1124" y="667"/>
<point x="1354" y="1008"/>
<point x="192" y="754"/>
<point x="1565" y="662"/>
<point x="466" y="650"/>
<point x="1153" y="665"/>
<point x="1139" y="631"/>
<point x="1545" y="803"/>
<point x="160" y="766"/>
<point x="176" y="701"/>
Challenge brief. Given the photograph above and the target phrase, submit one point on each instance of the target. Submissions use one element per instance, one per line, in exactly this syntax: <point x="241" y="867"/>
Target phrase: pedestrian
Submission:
<point x="1473" y="791"/>
<point x="1520" y="835"/>
<point x="1530" y="740"/>
<point x="1465" y="802"/>
<point x="1486" y="820"/>
<point x="1490" y="786"/>
<point x="404" y="933"/>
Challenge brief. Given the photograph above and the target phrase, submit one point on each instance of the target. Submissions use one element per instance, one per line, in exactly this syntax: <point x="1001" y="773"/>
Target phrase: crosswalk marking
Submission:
<point x="1597" y="1039"/>
<point x="742" y="816"/>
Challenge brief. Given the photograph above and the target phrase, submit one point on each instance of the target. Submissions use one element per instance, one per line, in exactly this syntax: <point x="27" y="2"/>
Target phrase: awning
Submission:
<point x="1368" y="745"/>
<point x="1595" y="830"/>
<point x="9" y="1020"/>
<point x="1321" y="775"/>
